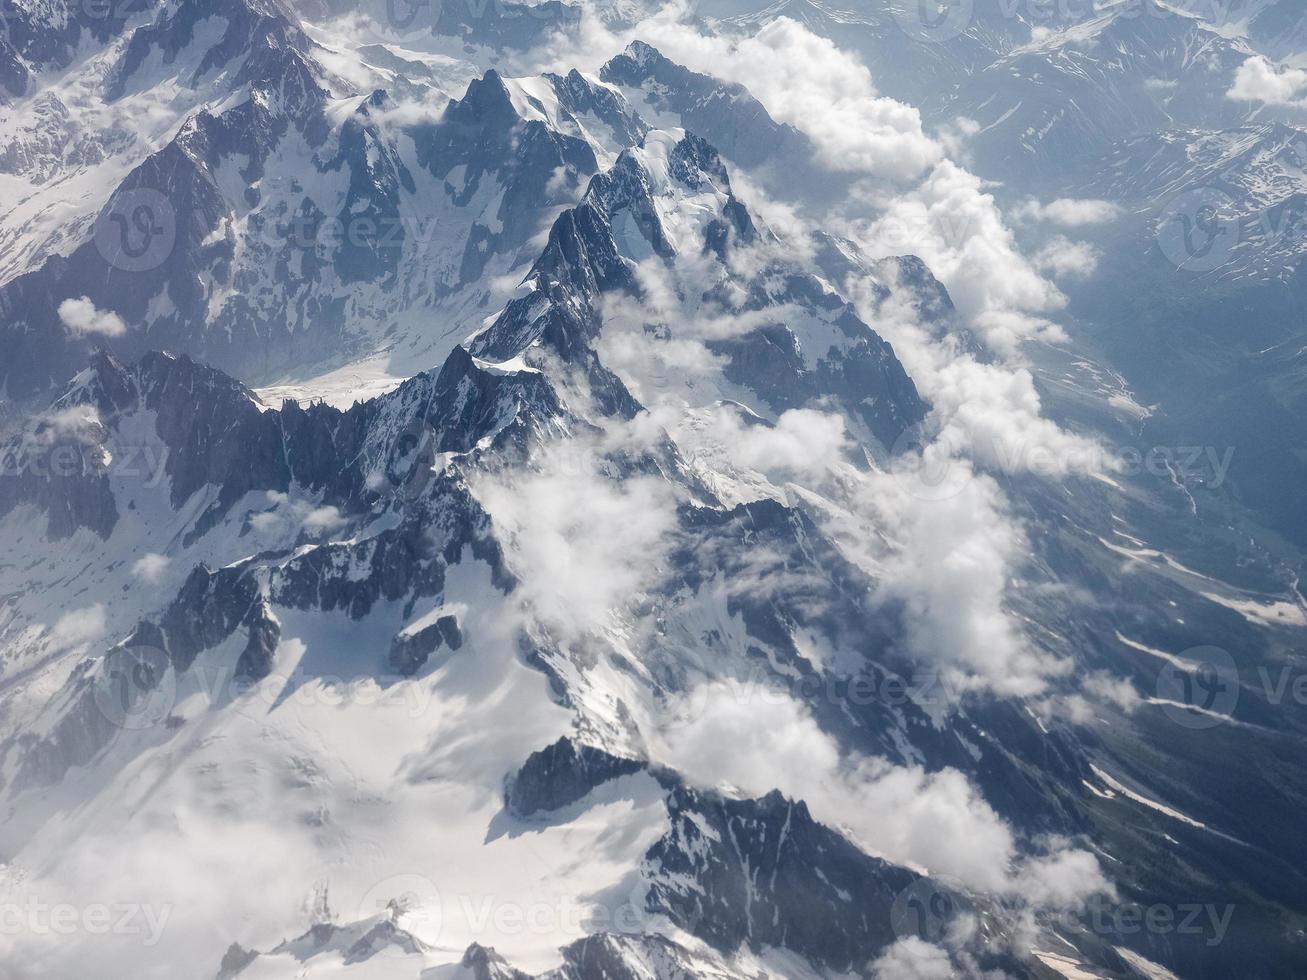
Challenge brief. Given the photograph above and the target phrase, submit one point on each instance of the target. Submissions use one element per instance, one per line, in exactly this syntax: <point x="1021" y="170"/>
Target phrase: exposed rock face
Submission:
<point x="579" y="96"/>
<point x="617" y="956"/>
<point x="405" y="562"/>
<point x="861" y="370"/>
<point x="226" y="438"/>
<point x="550" y="530"/>
<point x="562" y="774"/>
<point x="757" y="872"/>
<point x="486" y="964"/>
<point x="483" y="135"/>
<point x="36" y="38"/>
<point x="766" y="873"/>
<point x="582" y="262"/>
<point x="409" y="652"/>
<point x="236" y="959"/>
<point x="258" y="34"/>
<point x="270" y="278"/>
<point x="264" y="632"/>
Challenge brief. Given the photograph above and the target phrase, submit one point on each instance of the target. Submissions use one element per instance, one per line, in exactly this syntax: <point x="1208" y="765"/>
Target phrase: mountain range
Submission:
<point x="613" y="490"/>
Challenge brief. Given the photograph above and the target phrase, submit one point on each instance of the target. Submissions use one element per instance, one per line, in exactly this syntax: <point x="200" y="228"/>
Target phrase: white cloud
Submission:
<point x="1114" y="690"/>
<point x="954" y="135"/>
<point x="989" y="412"/>
<point x="78" y="627"/>
<point x="802" y="442"/>
<point x="323" y="519"/>
<point x="1060" y="880"/>
<point x="805" y="80"/>
<point x="1064" y="258"/>
<point x="952" y="549"/>
<point x="80" y="316"/>
<point x="913" y="959"/>
<point x="150" y="567"/>
<point x="79" y="422"/>
<point x="584" y="544"/>
<point x="1071" y="212"/>
<point x="955" y="226"/>
<point x="802" y="78"/>
<point x="949" y="564"/>
<point x="756" y="741"/>
<point x="1260" y="80"/>
<point x="287" y="516"/>
<point x="1096" y="689"/>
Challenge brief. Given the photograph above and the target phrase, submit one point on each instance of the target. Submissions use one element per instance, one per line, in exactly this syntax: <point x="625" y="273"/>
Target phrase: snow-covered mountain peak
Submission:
<point x="532" y="540"/>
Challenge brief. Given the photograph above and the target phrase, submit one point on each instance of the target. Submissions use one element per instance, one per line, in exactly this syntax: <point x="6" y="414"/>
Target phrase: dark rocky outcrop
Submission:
<point x="409" y="652"/>
<point x="561" y="774"/>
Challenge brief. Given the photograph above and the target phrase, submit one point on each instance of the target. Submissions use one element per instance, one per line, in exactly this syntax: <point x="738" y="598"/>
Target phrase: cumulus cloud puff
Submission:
<point x="932" y="821"/>
<point x="802" y="78"/>
<point x="289" y="516"/>
<point x="76" y="422"/>
<point x="1063" y="258"/>
<point x="79" y="626"/>
<point x="801" y="444"/>
<point x="1260" y="80"/>
<point x="913" y="959"/>
<point x="81" y="316"/>
<point x="1072" y="212"/>
<point x="986" y="411"/>
<point x="805" y="80"/>
<point x="952" y="223"/>
<point x="585" y="544"/>
<point x="150" y="567"/>
<point x="938" y="539"/>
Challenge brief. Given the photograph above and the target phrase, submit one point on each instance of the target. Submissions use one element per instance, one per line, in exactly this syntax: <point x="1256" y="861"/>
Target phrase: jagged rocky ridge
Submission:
<point x="353" y="562"/>
<point x="301" y="258"/>
<point x="395" y="471"/>
<point x="387" y="227"/>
